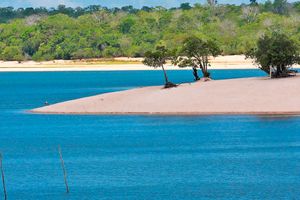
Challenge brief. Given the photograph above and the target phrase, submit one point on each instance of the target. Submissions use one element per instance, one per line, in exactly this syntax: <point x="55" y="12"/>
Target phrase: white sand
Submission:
<point x="222" y="62"/>
<point x="234" y="96"/>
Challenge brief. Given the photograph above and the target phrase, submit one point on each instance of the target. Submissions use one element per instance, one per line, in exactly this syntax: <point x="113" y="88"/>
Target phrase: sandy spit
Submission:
<point x="257" y="96"/>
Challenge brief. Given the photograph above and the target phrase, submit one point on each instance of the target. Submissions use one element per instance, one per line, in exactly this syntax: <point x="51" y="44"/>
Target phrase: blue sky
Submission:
<point x="108" y="3"/>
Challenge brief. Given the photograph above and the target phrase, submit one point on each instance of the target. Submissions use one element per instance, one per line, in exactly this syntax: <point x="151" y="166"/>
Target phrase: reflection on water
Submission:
<point x="278" y="117"/>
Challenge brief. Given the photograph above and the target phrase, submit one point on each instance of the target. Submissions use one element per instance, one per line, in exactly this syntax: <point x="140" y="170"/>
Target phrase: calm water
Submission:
<point x="140" y="157"/>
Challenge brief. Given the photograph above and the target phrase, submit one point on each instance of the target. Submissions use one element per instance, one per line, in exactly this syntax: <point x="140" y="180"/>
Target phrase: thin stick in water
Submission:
<point x="3" y="178"/>
<point x="64" y="169"/>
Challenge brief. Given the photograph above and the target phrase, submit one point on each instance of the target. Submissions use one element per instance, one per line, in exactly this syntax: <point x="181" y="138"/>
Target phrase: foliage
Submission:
<point x="280" y="6"/>
<point x="95" y="31"/>
<point x="158" y="58"/>
<point x="275" y="54"/>
<point x="195" y="53"/>
<point x="12" y="53"/>
<point x="185" y="6"/>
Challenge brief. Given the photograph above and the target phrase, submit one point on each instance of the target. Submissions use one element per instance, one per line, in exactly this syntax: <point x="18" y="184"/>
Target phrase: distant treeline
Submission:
<point x="96" y="31"/>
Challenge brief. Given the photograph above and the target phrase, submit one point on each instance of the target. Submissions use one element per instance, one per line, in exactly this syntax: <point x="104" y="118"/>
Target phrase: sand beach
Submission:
<point x="255" y="96"/>
<point x="116" y="64"/>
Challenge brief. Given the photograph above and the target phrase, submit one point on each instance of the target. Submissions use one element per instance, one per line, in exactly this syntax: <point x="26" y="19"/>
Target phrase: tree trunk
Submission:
<point x="168" y="84"/>
<point x="195" y="73"/>
<point x="165" y="74"/>
<point x="204" y="70"/>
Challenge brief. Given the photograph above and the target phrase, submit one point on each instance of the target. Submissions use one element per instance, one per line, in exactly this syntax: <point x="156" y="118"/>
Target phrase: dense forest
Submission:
<point x="95" y="31"/>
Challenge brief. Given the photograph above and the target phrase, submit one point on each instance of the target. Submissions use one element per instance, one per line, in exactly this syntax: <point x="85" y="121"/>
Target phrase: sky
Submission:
<point x="108" y="3"/>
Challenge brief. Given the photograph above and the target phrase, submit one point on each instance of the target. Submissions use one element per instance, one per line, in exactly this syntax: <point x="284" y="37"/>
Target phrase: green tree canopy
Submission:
<point x="158" y="58"/>
<point x="195" y="53"/>
<point x="96" y="31"/>
<point x="275" y="54"/>
<point x="12" y="53"/>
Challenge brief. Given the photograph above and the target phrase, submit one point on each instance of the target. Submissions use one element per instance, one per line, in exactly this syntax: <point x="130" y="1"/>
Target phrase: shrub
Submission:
<point x="275" y="54"/>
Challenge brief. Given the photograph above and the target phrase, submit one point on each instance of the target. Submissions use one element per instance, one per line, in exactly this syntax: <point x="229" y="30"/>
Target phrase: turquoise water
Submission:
<point x="140" y="157"/>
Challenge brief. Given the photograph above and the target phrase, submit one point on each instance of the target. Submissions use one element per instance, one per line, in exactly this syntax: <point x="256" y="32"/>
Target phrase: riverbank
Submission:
<point x="116" y="64"/>
<point x="255" y="96"/>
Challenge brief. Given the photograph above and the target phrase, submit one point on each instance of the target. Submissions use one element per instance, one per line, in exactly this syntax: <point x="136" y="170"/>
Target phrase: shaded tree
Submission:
<point x="195" y="53"/>
<point x="212" y="2"/>
<point x="12" y="53"/>
<point x="146" y="8"/>
<point x="92" y="8"/>
<point x="158" y="58"/>
<point x="275" y="54"/>
<point x="296" y="6"/>
<point x="280" y="7"/>
<point x="29" y="11"/>
<point x="129" y="9"/>
<point x="126" y="25"/>
<point x="268" y="6"/>
<point x="84" y="53"/>
<point x="185" y="6"/>
<point x="250" y="13"/>
<point x="253" y="2"/>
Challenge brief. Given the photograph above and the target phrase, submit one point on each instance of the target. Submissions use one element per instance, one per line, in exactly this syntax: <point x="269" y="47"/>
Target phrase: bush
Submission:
<point x="12" y="53"/>
<point x="84" y="53"/>
<point x="275" y="54"/>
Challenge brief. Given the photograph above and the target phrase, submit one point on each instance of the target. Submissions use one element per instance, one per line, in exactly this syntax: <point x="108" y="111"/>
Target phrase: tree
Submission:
<point x="195" y="53"/>
<point x="65" y="33"/>
<point x="212" y="2"/>
<point x="126" y="25"/>
<point x="146" y="9"/>
<point x="253" y="2"/>
<point x="84" y="53"/>
<point x="29" y="11"/>
<point x="268" y="6"/>
<point x="157" y="59"/>
<point x="250" y="13"/>
<point x="296" y="6"/>
<point x="129" y="9"/>
<point x="280" y="7"/>
<point x="185" y="6"/>
<point x="12" y="53"/>
<point x="275" y="54"/>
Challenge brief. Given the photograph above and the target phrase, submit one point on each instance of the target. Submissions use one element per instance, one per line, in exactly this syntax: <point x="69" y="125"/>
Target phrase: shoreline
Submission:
<point x="297" y="113"/>
<point x="115" y="64"/>
<point x="105" y="68"/>
<point x="243" y="96"/>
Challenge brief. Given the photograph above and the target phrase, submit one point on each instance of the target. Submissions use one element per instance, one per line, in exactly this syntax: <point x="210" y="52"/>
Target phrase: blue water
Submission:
<point x="140" y="157"/>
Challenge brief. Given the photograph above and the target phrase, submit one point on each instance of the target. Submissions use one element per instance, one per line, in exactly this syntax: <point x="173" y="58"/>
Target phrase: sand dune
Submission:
<point x="234" y="96"/>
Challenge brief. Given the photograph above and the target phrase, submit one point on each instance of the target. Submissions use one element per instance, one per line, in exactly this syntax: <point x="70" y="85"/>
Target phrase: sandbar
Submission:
<point x="254" y="96"/>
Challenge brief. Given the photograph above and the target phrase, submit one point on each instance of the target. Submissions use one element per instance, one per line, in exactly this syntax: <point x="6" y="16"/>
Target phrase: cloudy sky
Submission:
<point x="108" y="3"/>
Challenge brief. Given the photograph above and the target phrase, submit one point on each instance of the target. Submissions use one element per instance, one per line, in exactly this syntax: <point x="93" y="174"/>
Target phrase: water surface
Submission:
<point x="140" y="157"/>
